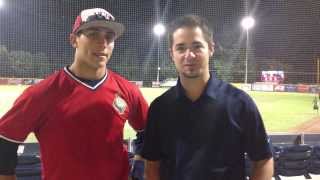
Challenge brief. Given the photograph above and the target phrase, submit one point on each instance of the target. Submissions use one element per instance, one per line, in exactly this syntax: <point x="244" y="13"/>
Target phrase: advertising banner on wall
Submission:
<point x="14" y="81"/>
<point x="137" y="83"/>
<point x="246" y="87"/>
<point x="279" y="88"/>
<point x="3" y="81"/>
<point x="314" y="89"/>
<point x="262" y="87"/>
<point x="303" y="88"/>
<point x="290" y="88"/>
<point x="155" y="84"/>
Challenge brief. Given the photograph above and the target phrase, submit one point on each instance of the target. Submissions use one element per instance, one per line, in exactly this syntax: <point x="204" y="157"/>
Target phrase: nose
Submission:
<point x="103" y="41"/>
<point x="104" y="38"/>
<point x="189" y="54"/>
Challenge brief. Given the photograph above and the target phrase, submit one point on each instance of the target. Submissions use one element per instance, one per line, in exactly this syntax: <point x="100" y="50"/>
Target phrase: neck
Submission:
<point x="194" y="87"/>
<point x="87" y="73"/>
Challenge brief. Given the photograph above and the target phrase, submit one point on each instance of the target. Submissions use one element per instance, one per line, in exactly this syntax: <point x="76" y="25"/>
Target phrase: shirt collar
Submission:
<point x="209" y="91"/>
<point x="91" y="84"/>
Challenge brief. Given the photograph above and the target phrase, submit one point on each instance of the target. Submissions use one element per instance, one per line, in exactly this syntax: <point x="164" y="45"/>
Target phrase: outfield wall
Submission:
<point x="269" y="87"/>
<point x="258" y="86"/>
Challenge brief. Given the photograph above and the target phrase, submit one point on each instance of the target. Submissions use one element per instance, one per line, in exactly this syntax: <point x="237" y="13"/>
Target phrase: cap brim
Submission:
<point x="118" y="28"/>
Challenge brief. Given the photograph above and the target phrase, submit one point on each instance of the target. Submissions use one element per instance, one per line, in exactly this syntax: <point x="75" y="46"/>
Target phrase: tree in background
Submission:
<point x="4" y="55"/>
<point x="23" y="64"/>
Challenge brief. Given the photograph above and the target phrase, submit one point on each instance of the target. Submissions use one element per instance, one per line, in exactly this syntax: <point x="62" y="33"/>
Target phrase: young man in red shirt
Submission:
<point x="77" y="113"/>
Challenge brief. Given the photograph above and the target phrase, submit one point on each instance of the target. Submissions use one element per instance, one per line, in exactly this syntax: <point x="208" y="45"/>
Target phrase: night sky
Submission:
<point x="286" y="31"/>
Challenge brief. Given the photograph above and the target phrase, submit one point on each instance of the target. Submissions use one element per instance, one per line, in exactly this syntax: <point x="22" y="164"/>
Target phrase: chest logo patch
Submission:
<point x="119" y="104"/>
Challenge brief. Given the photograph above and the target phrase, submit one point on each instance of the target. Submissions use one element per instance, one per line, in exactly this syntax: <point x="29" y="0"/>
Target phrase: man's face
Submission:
<point x="94" y="47"/>
<point x="190" y="52"/>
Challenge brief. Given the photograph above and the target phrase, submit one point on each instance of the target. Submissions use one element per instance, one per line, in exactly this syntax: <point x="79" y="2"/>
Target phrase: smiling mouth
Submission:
<point x="189" y="65"/>
<point x="100" y="54"/>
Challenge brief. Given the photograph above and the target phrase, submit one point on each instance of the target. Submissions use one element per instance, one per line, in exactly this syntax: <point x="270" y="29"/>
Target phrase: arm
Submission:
<point x="8" y="159"/>
<point x="257" y="143"/>
<point x="152" y="170"/>
<point x="7" y="177"/>
<point x="262" y="169"/>
<point x="152" y="145"/>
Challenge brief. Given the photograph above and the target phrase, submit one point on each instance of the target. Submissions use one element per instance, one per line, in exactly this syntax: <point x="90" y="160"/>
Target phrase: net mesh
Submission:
<point x="34" y="37"/>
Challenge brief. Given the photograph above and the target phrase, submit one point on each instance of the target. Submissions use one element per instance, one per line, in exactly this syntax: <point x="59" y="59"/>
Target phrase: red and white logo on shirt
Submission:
<point x="119" y="104"/>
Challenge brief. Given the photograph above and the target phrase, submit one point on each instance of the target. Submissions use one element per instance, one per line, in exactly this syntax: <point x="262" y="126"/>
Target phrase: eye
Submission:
<point x="180" y="48"/>
<point x="91" y="33"/>
<point x="110" y="36"/>
<point x="197" y="46"/>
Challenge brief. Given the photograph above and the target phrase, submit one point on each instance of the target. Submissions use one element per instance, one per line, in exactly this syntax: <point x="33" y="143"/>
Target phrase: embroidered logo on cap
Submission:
<point x="96" y="14"/>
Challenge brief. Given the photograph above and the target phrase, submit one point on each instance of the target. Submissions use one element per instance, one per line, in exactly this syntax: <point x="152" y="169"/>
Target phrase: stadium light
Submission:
<point x="247" y="23"/>
<point x="159" y="30"/>
<point x="1" y="3"/>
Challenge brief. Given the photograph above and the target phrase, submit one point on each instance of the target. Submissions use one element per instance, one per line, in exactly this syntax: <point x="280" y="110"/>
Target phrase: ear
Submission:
<point x="170" y="53"/>
<point x="211" y="48"/>
<point x="73" y="40"/>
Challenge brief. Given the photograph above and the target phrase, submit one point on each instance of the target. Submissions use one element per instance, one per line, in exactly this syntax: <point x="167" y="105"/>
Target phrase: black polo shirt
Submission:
<point x="205" y="139"/>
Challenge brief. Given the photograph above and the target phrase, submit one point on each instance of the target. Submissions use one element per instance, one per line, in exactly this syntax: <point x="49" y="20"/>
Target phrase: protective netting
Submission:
<point x="286" y="37"/>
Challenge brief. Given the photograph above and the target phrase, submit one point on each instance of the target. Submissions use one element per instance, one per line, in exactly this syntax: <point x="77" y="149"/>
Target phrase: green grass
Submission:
<point x="7" y="96"/>
<point x="280" y="111"/>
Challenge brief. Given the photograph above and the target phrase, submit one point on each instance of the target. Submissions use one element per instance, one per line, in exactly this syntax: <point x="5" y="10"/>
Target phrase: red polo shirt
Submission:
<point x="79" y="127"/>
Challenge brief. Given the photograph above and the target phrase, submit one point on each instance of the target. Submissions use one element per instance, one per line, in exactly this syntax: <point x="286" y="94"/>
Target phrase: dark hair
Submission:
<point x="190" y="21"/>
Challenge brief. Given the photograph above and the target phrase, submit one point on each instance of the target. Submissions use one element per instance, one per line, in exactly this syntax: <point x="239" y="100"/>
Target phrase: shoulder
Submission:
<point x="226" y="90"/>
<point x="41" y="93"/>
<point x="121" y="82"/>
<point x="45" y="85"/>
<point x="166" y="99"/>
<point x="130" y="91"/>
<point x="233" y="98"/>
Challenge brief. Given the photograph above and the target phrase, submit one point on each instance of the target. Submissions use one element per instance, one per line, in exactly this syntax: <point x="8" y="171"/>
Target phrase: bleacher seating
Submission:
<point x="294" y="155"/>
<point x="29" y="167"/>
<point x="314" y="167"/>
<point x="312" y="139"/>
<point x="294" y="161"/>
<point x="276" y="150"/>
<point x="29" y="164"/>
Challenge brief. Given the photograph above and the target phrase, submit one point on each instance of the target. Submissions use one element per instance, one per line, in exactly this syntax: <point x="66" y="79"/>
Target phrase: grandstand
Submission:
<point x="297" y="156"/>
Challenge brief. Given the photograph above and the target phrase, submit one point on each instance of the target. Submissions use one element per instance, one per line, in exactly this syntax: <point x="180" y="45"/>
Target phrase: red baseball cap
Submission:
<point x="97" y="17"/>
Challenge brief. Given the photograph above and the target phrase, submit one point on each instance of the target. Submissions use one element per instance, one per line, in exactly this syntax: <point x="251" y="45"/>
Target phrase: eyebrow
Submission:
<point x="193" y="43"/>
<point x="180" y="44"/>
<point x="196" y="43"/>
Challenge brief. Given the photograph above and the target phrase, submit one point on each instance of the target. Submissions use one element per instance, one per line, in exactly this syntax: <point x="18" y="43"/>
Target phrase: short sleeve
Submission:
<point x="152" y="141"/>
<point x="138" y="110"/>
<point x="21" y="119"/>
<point x="256" y="139"/>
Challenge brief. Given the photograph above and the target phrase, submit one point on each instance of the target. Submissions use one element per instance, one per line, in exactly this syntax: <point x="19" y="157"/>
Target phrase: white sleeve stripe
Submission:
<point x="11" y="140"/>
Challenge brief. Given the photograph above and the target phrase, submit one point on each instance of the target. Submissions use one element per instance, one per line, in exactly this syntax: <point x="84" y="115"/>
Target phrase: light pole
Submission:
<point x="247" y="23"/>
<point x="159" y="30"/>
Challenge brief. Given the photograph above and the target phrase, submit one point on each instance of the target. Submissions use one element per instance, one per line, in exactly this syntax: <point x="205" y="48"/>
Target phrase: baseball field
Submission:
<point x="281" y="111"/>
